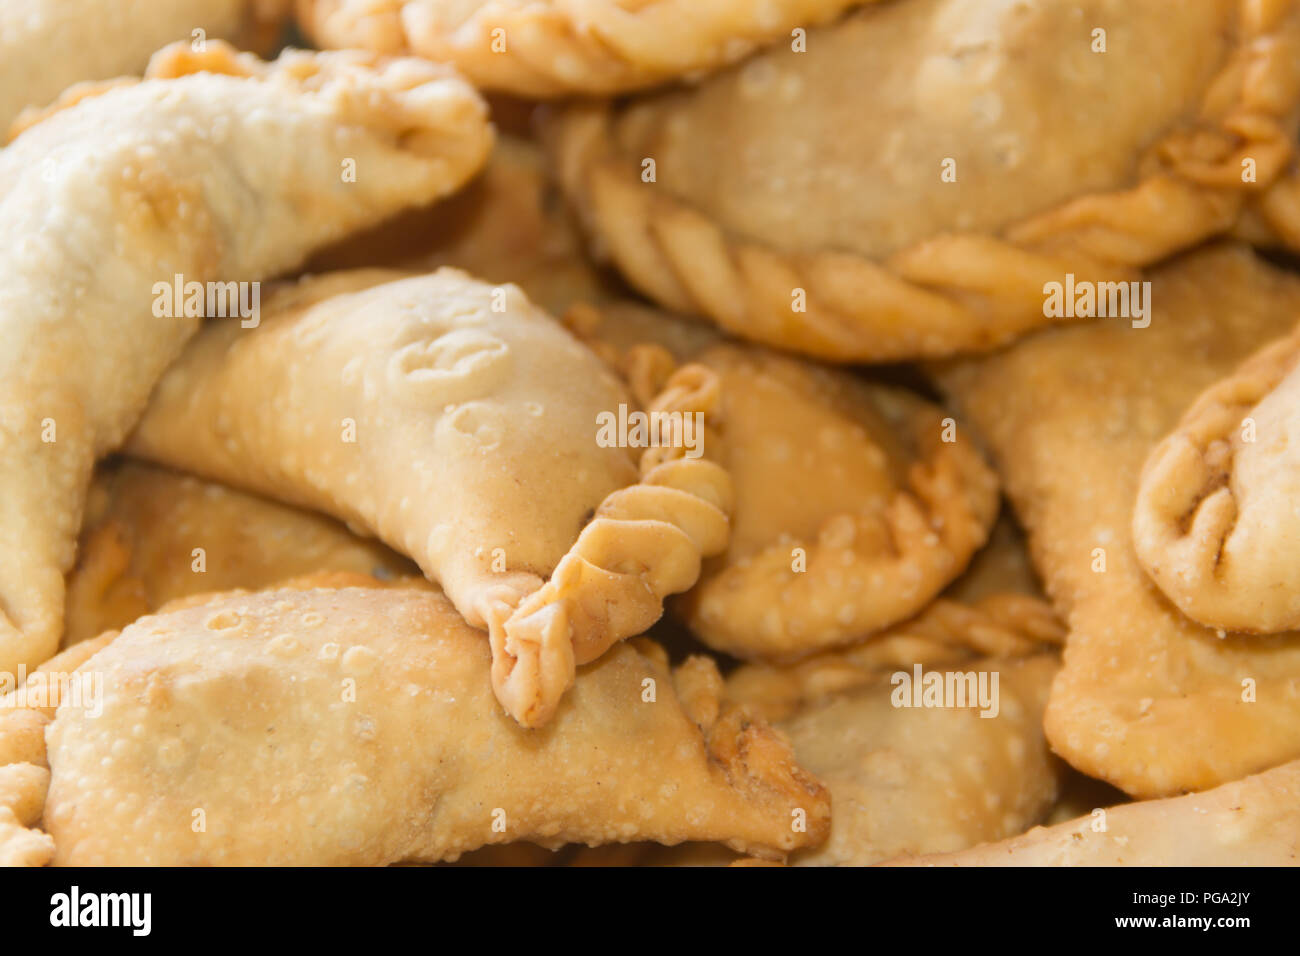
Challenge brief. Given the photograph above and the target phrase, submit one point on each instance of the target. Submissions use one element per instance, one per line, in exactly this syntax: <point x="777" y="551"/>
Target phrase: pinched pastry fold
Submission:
<point x="152" y="535"/>
<point x="908" y="185"/>
<point x="1250" y="822"/>
<point x="48" y="45"/>
<point x="855" y="502"/>
<point x="1147" y="699"/>
<point x="216" y="168"/>
<point x="387" y="745"/>
<point x="914" y="780"/>
<point x="459" y="424"/>
<point x="1216" y="523"/>
<point x="548" y="48"/>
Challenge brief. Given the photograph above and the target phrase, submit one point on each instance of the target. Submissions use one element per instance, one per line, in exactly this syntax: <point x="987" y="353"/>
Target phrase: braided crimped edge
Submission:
<point x="645" y="542"/>
<point x="1186" y="507"/>
<point x="552" y="48"/>
<point x="24" y="765"/>
<point x="947" y="632"/>
<point x="952" y="292"/>
<point x="761" y="607"/>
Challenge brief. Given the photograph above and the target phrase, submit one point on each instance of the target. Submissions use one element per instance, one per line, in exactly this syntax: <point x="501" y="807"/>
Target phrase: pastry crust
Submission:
<point x="855" y="505"/>
<point x="1250" y="822"/>
<point x="1147" y="699"/>
<point x="115" y="189"/>
<point x="388" y="745"/>
<point x="1005" y="626"/>
<point x="734" y="225"/>
<point x="458" y="423"/>
<point x="1214" y="523"/>
<point x="551" y="48"/>
<point x="145" y="524"/>
<point x="916" y="781"/>
<point x="48" y="45"/>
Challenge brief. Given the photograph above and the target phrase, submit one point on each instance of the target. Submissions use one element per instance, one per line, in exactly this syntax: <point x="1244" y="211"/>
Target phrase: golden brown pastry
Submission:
<point x="910" y="184"/>
<point x="153" y="535"/>
<point x="546" y="48"/>
<point x="856" y="502"/>
<point x="923" y="780"/>
<point x="1147" y="699"/>
<point x="180" y="175"/>
<point x="387" y="744"/>
<point x="1216" y="522"/>
<point x="48" y="45"/>
<point x="1250" y="822"/>
<point x="459" y="424"/>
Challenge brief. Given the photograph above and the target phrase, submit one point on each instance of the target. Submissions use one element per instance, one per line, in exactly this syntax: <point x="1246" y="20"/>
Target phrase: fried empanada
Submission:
<point x="1147" y="699"/>
<point x="907" y="185"/>
<point x="856" y="502"/>
<point x="216" y="167"/>
<point x="153" y="535"/>
<point x="356" y="725"/>
<point x="1250" y="822"/>
<point x="48" y="45"/>
<point x="925" y="780"/>
<point x="461" y="425"/>
<point x="548" y="48"/>
<point x="1217" y="518"/>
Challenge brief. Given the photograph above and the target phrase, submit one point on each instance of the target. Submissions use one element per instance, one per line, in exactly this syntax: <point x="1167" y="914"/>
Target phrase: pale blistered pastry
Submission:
<point x="1147" y="699"/>
<point x="925" y="780"/>
<point x="1250" y="822"/>
<point x="388" y="745"/>
<point x="856" y="502"/>
<point x="115" y="191"/>
<point x="546" y="48"/>
<point x="1217" y="518"/>
<point x="907" y="185"/>
<point x="152" y="535"/>
<point x="48" y="45"/>
<point x="459" y="424"/>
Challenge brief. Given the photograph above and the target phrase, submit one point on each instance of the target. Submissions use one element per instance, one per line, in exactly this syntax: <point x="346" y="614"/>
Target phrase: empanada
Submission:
<point x="153" y="535"/>
<point x="218" y="168"/>
<point x="915" y="780"/>
<point x="856" y="502"/>
<point x="1146" y="699"/>
<point x="1250" y="822"/>
<point x="462" y="426"/>
<point x="1217" y="518"/>
<point x="48" y="45"/>
<point x="547" y="48"/>
<point x="356" y="725"/>
<point x="908" y="185"/>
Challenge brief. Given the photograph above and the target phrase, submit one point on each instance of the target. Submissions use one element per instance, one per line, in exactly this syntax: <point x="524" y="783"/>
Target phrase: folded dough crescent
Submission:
<point x="462" y="426"/>
<point x="48" y="45"/>
<point x="856" y="502"/>
<point x="1146" y="699"/>
<point x="908" y="184"/>
<point x="1217" y="518"/>
<point x="356" y="725"/>
<point x="1249" y="822"/>
<point x="152" y="535"/>
<point x="110" y="202"/>
<point x="548" y="48"/>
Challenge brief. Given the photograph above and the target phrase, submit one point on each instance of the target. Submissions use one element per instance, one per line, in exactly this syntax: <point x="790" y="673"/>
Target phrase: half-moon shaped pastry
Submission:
<point x="911" y="183"/>
<point x="1217" y="518"/>
<point x="356" y="725"/>
<point x="48" y="45"/>
<point x="462" y="426"/>
<point x="1146" y="699"/>
<point x="119" y="202"/>
<point x="548" y="48"/>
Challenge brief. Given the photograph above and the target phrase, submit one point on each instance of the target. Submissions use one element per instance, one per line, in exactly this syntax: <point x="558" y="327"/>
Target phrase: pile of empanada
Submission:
<point x="598" y="432"/>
